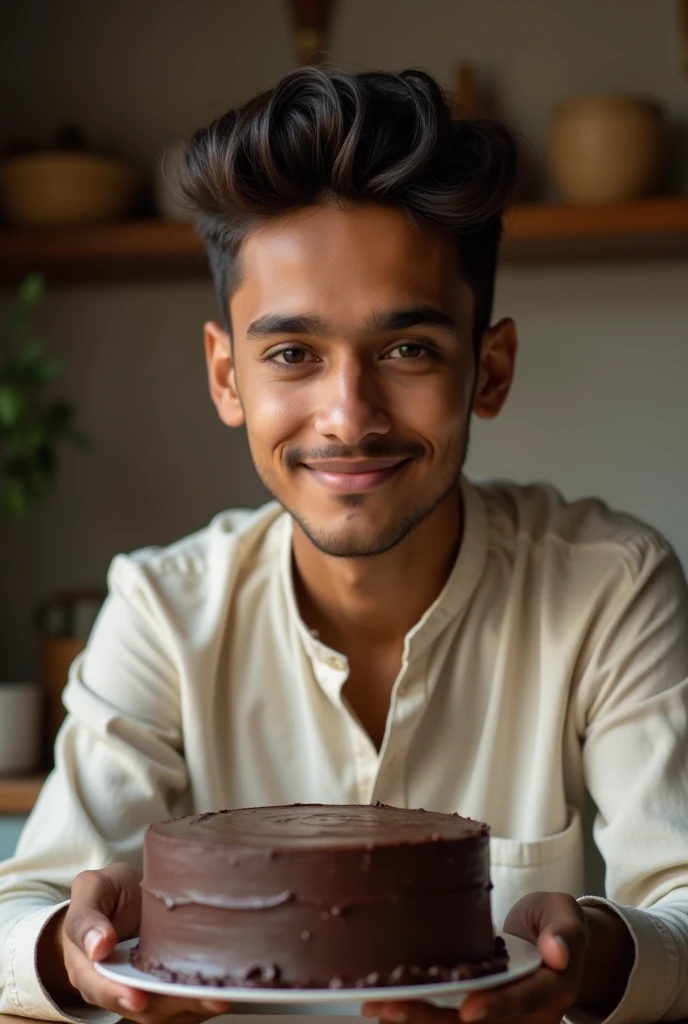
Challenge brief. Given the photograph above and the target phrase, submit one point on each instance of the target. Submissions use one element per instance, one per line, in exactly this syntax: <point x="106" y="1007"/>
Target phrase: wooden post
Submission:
<point x="466" y="102"/>
<point x="310" y="22"/>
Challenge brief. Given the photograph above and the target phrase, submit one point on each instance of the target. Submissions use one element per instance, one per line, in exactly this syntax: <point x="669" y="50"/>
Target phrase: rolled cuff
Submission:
<point x="24" y="989"/>
<point x="654" y="974"/>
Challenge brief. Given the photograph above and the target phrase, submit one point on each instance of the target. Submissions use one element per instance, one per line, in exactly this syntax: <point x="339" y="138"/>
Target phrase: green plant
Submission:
<point x="32" y="424"/>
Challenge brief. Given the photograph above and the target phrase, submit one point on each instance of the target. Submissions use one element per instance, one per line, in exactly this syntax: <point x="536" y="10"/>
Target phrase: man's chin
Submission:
<point x="356" y="543"/>
<point x="353" y="529"/>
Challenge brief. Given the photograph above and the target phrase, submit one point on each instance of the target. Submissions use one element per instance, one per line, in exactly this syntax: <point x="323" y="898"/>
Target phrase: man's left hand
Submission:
<point x="556" y="924"/>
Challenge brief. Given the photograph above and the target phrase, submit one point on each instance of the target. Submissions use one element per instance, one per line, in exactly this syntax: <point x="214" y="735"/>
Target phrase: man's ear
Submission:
<point x="495" y="369"/>
<point x="222" y="375"/>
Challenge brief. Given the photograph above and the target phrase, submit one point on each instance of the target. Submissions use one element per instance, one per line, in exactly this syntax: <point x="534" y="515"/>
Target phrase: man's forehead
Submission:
<point x="356" y="261"/>
<point x="367" y="233"/>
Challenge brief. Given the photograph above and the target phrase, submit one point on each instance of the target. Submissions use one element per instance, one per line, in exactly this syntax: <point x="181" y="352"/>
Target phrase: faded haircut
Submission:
<point x="325" y="135"/>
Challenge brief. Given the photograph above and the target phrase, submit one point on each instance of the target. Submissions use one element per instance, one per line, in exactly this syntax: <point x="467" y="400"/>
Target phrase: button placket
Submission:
<point x="331" y="671"/>
<point x="408" y="701"/>
<point x="366" y="761"/>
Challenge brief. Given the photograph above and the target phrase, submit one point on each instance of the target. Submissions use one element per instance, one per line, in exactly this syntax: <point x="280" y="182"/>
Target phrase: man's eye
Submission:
<point x="291" y="356"/>
<point x="407" y="350"/>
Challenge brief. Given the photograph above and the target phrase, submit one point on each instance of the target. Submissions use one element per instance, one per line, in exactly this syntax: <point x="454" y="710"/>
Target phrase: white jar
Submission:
<point x="20" y="727"/>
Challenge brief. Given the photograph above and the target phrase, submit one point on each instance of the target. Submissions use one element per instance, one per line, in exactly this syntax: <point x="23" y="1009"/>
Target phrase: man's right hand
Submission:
<point x="105" y="908"/>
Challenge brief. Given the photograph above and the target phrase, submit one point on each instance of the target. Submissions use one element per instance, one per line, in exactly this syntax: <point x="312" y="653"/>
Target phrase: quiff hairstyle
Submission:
<point x="325" y="135"/>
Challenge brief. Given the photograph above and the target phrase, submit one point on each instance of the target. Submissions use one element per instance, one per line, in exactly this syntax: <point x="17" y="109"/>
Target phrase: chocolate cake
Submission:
<point x="312" y="895"/>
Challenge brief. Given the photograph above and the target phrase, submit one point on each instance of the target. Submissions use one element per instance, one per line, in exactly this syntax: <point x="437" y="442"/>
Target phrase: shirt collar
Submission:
<point x="329" y="666"/>
<point x="449" y="606"/>
<point x="453" y="600"/>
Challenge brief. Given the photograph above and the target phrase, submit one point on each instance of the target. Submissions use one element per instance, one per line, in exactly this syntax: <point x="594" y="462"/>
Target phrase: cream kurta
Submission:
<point x="554" y="663"/>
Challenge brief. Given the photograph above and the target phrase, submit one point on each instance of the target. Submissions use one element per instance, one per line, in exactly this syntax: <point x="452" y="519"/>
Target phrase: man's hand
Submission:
<point x="105" y="908"/>
<point x="586" y="957"/>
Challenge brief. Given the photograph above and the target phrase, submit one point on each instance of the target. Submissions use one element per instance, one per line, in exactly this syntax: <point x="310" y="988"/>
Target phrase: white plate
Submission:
<point x="523" y="960"/>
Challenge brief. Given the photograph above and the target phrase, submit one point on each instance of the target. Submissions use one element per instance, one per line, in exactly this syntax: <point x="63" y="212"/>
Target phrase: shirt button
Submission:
<point x="334" y="662"/>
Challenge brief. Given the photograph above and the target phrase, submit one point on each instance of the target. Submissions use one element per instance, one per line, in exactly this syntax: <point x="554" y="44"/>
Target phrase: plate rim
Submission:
<point x="289" y="996"/>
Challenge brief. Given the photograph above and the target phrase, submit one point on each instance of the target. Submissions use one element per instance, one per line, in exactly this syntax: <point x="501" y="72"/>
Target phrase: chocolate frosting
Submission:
<point x="311" y="895"/>
<point x="317" y="826"/>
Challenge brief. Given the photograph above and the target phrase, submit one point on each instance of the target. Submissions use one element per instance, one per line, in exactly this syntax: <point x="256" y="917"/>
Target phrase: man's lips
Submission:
<point x="354" y="475"/>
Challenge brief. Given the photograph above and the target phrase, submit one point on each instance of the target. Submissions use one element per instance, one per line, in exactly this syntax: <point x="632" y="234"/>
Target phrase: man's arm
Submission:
<point x="624" y="959"/>
<point x="632" y="706"/>
<point x="119" y="766"/>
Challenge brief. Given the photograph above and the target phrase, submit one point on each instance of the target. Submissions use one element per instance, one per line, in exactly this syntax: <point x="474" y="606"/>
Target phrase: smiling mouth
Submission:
<point x="354" y="476"/>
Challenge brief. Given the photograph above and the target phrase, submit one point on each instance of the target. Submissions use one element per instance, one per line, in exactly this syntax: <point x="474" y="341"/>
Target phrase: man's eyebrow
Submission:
<point x="278" y="323"/>
<point x="415" y="316"/>
<point x="377" y="323"/>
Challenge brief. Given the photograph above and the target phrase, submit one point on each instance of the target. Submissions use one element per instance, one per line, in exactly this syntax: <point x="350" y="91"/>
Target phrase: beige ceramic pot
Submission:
<point x="604" y="149"/>
<point x="65" y="188"/>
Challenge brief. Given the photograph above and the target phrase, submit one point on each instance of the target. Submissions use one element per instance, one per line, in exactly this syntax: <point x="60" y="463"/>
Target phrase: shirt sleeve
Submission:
<point x="633" y="714"/>
<point x="118" y="766"/>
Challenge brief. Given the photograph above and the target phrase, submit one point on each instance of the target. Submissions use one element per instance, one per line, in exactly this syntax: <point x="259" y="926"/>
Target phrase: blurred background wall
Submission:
<point x="599" y="405"/>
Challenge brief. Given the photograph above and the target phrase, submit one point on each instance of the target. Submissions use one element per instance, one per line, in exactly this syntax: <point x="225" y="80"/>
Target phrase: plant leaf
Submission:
<point x="15" y="501"/>
<point x="57" y="418"/>
<point x="24" y="441"/>
<point x="18" y="321"/>
<point x="31" y="427"/>
<point x="46" y="459"/>
<point x="12" y="405"/>
<point x="48" y="370"/>
<point x="30" y="353"/>
<point x="31" y="291"/>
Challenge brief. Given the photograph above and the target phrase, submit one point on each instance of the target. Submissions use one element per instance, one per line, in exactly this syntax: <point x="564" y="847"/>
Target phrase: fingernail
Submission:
<point x="126" y="1005"/>
<point x="91" y="940"/>
<point x="479" y="1013"/>
<point x="212" y="1006"/>
<point x="564" y="947"/>
<point x="394" y="1016"/>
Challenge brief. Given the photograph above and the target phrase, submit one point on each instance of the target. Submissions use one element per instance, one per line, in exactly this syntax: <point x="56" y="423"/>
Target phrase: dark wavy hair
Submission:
<point x="323" y="134"/>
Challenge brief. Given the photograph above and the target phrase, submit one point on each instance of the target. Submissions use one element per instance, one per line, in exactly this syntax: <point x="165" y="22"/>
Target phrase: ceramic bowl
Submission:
<point x="65" y="188"/>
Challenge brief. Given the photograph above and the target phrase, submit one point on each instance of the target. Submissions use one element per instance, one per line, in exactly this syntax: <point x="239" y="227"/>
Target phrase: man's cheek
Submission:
<point x="439" y="423"/>
<point x="274" y="419"/>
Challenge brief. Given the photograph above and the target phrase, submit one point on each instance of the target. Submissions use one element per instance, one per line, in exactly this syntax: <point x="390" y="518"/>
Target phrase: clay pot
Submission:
<point x="605" y="149"/>
<point x="65" y="188"/>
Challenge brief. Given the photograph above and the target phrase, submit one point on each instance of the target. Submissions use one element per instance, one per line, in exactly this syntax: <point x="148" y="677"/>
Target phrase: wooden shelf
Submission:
<point x="129" y="250"/>
<point x="18" y="794"/>
<point x="644" y="229"/>
<point x="535" y="232"/>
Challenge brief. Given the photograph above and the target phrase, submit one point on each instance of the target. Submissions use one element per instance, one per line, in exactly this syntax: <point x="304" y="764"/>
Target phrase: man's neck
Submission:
<point x="377" y="600"/>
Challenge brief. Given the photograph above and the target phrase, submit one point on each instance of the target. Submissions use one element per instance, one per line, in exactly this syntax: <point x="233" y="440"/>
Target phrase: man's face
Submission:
<point x="353" y="368"/>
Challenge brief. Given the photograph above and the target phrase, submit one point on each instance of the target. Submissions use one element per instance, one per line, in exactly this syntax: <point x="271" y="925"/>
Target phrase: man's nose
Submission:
<point x="352" y="405"/>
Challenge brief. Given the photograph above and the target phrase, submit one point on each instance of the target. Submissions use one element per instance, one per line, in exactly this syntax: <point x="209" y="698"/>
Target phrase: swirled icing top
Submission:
<point x="314" y="826"/>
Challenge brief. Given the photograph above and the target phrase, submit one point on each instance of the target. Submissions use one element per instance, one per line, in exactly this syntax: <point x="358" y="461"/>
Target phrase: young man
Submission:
<point x="386" y="630"/>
